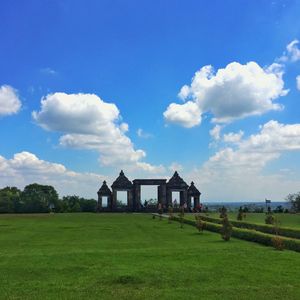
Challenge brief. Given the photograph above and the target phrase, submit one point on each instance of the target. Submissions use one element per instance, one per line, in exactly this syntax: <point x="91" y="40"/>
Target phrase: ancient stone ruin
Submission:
<point x="189" y="195"/>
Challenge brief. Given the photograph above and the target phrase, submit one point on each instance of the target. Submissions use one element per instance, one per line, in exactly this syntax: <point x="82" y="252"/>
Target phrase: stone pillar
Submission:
<point x="163" y="195"/>
<point x="114" y="200"/>
<point x="189" y="201"/>
<point x="129" y="200"/>
<point x="109" y="203"/>
<point x="159" y="198"/>
<point x="99" y="203"/>
<point x="137" y="197"/>
<point x="196" y="201"/>
<point x="183" y="197"/>
<point x="168" y="197"/>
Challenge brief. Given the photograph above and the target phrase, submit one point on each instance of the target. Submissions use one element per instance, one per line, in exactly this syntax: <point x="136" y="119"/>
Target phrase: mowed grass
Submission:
<point x="285" y="220"/>
<point x="131" y="256"/>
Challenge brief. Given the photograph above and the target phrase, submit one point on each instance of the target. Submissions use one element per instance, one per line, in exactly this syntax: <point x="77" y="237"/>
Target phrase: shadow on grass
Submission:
<point x="127" y="279"/>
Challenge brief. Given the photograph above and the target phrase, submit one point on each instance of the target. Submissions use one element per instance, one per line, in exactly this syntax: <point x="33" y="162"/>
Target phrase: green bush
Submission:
<point x="199" y="223"/>
<point x="226" y="229"/>
<point x="240" y="214"/>
<point x="269" y="218"/>
<point x="249" y="235"/>
<point x="223" y="212"/>
<point x="278" y="243"/>
<point x="283" y="231"/>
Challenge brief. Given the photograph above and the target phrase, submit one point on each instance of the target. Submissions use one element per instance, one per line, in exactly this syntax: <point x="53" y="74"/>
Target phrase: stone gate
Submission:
<point x="133" y="190"/>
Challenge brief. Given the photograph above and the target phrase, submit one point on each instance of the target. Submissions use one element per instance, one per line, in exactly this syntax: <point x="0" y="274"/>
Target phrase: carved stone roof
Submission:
<point x="193" y="191"/>
<point x="104" y="190"/>
<point x="122" y="182"/>
<point x="176" y="182"/>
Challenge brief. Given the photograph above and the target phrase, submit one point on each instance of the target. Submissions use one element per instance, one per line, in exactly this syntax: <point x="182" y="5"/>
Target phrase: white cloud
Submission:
<point x="25" y="168"/>
<point x="187" y="115"/>
<point x="292" y="53"/>
<point x="87" y="122"/>
<point x="215" y="133"/>
<point x="9" y="101"/>
<point x="150" y="168"/>
<point x="175" y="167"/>
<point x="298" y="82"/>
<point x="235" y="92"/>
<point x="48" y="71"/>
<point x="237" y="173"/>
<point x="142" y="134"/>
<point x="232" y="137"/>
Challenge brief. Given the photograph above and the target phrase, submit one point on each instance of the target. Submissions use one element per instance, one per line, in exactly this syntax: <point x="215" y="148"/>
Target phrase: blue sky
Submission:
<point x="110" y="75"/>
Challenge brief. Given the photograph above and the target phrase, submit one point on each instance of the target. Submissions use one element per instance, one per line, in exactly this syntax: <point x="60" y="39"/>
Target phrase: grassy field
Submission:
<point x="130" y="256"/>
<point x="286" y="220"/>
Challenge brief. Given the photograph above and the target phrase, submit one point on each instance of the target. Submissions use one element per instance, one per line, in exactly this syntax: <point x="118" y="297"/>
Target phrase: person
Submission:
<point x="184" y="206"/>
<point x="159" y="208"/>
<point x="175" y="203"/>
<point x="160" y="211"/>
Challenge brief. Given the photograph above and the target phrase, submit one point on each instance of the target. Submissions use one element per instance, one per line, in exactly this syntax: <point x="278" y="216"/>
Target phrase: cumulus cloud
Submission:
<point x="187" y="115"/>
<point x="87" y="122"/>
<point x="298" y="82"/>
<point x="292" y="53"/>
<point x="9" y="101"/>
<point x="238" y="172"/>
<point x="175" y="167"/>
<point x="232" y="137"/>
<point x="142" y="134"/>
<point x="231" y="93"/>
<point x="215" y="133"/>
<point x="160" y="169"/>
<point x="25" y="168"/>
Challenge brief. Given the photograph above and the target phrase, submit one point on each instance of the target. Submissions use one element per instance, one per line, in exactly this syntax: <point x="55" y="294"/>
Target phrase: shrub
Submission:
<point x="278" y="243"/>
<point x="284" y="231"/>
<point x="199" y="223"/>
<point x="170" y="211"/>
<point x="226" y="229"/>
<point x="240" y="214"/>
<point x="248" y="235"/>
<point x="181" y="216"/>
<point x="223" y="212"/>
<point x="269" y="218"/>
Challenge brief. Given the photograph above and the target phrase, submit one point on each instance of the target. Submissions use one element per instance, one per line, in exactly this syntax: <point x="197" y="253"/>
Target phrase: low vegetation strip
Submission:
<point x="282" y="231"/>
<point x="249" y="235"/>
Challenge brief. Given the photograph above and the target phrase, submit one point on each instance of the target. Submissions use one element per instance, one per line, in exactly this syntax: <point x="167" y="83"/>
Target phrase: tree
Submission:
<point x="223" y="212"/>
<point x="279" y="209"/>
<point x="181" y="216"/>
<point x="269" y="216"/>
<point x="226" y="229"/>
<point x="199" y="223"/>
<point x="240" y="214"/>
<point x="71" y="203"/>
<point x="88" y="205"/>
<point x="294" y="200"/>
<point x="37" y="198"/>
<point x="9" y="200"/>
<point x="170" y="211"/>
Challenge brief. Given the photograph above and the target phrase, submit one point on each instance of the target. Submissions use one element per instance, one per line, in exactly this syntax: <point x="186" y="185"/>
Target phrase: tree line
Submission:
<point x="37" y="198"/>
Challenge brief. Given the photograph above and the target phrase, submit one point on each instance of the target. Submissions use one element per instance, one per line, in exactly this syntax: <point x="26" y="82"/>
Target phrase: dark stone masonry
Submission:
<point x="189" y="195"/>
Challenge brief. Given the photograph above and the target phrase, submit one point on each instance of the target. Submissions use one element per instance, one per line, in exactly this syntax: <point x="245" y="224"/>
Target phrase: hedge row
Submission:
<point x="249" y="235"/>
<point x="283" y="231"/>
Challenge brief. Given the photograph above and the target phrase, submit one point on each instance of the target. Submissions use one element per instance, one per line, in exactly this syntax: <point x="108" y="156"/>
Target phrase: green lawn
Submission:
<point x="286" y="220"/>
<point x="130" y="256"/>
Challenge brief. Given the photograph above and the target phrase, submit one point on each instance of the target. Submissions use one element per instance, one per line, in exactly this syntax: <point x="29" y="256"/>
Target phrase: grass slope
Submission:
<point x="129" y="256"/>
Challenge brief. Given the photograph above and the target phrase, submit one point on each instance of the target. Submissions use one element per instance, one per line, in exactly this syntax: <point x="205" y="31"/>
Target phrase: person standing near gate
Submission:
<point x="159" y="208"/>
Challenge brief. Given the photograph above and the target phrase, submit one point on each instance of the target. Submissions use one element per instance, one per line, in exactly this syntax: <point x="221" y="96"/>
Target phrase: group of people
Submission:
<point x="175" y="205"/>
